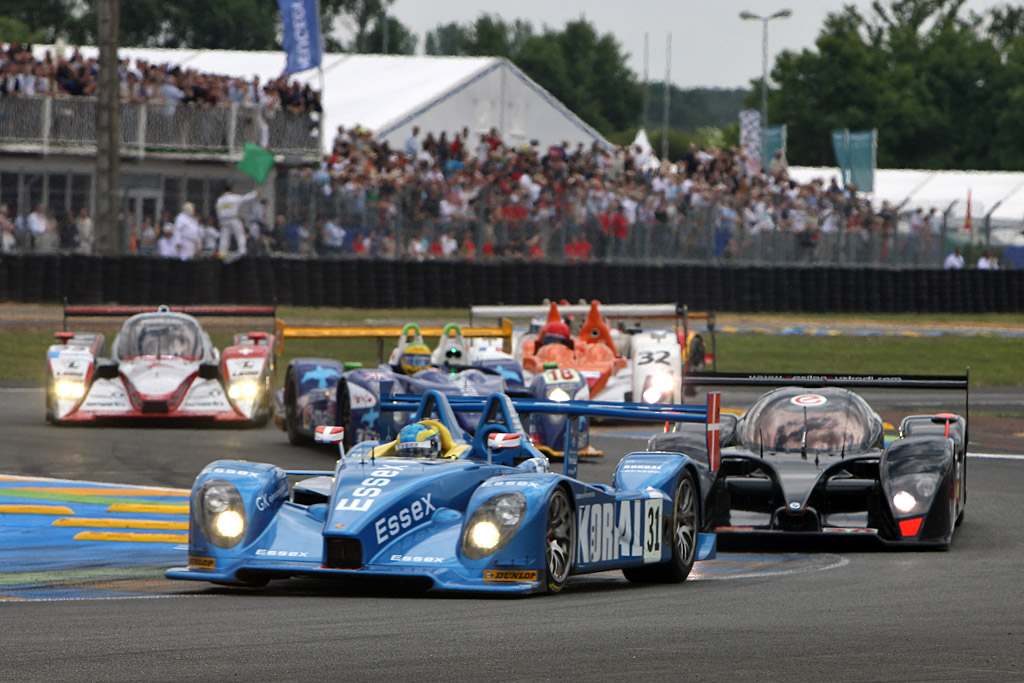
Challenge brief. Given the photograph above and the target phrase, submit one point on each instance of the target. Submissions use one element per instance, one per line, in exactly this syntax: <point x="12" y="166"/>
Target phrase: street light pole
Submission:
<point x="781" y="14"/>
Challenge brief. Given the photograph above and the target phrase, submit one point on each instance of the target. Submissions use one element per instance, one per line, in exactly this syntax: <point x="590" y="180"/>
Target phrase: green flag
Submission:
<point x="256" y="163"/>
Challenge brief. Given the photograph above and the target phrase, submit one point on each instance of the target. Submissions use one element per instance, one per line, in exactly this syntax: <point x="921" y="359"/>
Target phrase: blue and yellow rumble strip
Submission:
<point x="69" y="539"/>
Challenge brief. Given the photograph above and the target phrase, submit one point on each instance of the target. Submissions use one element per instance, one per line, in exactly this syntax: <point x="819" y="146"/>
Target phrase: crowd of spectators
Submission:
<point x="475" y="196"/>
<point x="65" y="71"/>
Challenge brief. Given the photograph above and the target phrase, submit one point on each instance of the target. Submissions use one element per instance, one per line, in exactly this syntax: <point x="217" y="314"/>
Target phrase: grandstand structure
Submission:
<point x="172" y="154"/>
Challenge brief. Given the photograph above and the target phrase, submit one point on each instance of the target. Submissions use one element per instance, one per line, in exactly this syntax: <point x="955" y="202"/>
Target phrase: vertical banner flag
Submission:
<point x="300" y="20"/>
<point x="772" y="138"/>
<point x="750" y="138"/>
<point x="967" y="220"/>
<point x="855" y="156"/>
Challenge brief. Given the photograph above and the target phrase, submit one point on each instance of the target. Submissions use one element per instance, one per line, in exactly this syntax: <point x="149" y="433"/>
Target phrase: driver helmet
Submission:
<point x="419" y="441"/>
<point x="555" y="332"/>
<point x="414" y="358"/>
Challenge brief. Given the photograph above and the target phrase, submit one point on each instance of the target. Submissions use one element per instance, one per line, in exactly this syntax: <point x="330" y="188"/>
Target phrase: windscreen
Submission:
<point x="160" y="336"/>
<point x="821" y="420"/>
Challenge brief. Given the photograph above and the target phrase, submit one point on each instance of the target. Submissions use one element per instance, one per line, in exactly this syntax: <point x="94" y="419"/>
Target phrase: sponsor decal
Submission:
<point x="371" y="487"/>
<point x="509" y="575"/>
<point x="229" y="470"/>
<point x="510" y="482"/>
<point x="409" y="516"/>
<point x="416" y="558"/>
<point x="265" y="552"/>
<point x="635" y="532"/>
<point x="642" y="467"/>
<point x="202" y="562"/>
<point x="808" y="400"/>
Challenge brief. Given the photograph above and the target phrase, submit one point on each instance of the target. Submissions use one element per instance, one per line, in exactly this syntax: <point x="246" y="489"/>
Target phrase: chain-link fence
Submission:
<point x="387" y="222"/>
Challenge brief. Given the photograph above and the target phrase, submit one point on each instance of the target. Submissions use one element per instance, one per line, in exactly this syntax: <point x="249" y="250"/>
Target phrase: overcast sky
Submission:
<point x="711" y="45"/>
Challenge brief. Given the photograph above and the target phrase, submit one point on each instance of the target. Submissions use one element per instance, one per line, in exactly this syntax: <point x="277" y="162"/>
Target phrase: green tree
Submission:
<point x="15" y="31"/>
<point x="587" y="72"/>
<point x="931" y="81"/>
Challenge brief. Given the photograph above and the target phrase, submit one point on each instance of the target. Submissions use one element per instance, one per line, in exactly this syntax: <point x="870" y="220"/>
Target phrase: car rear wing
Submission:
<point x="844" y="381"/>
<point x="284" y="331"/>
<point x="679" y="313"/>
<point x="815" y="380"/>
<point x="201" y="311"/>
<point x="573" y="410"/>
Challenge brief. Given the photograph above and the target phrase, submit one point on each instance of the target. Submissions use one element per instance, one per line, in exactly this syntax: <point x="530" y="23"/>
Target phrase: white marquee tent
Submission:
<point x="998" y="194"/>
<point x="389" y="94"/>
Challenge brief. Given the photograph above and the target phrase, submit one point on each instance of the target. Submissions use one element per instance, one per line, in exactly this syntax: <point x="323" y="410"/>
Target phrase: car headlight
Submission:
<point x="69" y="389"/>
<point x="904" y="501"/>
<point x="219" y="512"/>
<point x="246" y="389"/>
<point x="558" y="394"/>
<point x="493" y="524"/>
<point x="658" y="385"/>
<point x="913" y="493"/>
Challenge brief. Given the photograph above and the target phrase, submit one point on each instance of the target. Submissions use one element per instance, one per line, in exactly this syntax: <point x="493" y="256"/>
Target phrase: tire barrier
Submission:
<point x="360" y="283"/>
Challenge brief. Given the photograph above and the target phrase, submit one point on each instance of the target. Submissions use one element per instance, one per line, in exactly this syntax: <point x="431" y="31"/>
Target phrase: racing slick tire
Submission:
<point x="559" y="540"/>
<point x="683" y="526"/>
<point x="291" y="416"/>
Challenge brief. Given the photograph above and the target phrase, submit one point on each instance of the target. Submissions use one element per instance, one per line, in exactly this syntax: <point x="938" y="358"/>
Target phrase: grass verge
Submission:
<point x="992" y="359"/>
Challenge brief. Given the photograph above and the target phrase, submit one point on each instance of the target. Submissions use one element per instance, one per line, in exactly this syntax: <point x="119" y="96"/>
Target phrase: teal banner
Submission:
<point x="855" y="156"/>
<point x="772" y="138"/>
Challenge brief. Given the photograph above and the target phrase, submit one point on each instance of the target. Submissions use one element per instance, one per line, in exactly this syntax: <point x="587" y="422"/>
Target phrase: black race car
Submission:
<point x="810" y="457"/>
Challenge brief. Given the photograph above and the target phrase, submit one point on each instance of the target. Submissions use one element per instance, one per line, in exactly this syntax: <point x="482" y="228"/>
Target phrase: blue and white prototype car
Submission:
<point x="325" y="392"/>
<point x="487" y="514"/>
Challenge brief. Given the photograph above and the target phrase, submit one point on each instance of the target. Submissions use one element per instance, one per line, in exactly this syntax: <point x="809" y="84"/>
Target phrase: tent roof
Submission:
<point x="374" y="91"/>
<point x="998" y="192"/>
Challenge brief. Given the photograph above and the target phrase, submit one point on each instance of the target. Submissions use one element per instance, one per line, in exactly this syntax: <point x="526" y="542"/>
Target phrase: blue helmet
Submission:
<point x="419" y="441"/>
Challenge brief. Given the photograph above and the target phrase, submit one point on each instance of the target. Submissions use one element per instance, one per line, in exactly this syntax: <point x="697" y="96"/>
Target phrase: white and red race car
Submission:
<point x="161" y="364"/>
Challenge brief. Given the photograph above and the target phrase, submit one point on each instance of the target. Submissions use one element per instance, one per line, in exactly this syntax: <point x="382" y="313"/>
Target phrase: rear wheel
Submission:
<point x="291" y="413"/>
<point x="559" y="540"/>
<point x="683" y="526"/>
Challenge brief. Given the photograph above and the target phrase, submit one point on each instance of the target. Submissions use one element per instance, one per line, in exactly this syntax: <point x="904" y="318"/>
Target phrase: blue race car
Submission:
<point x="323" y="392"/>
<point x="454" y="512"/>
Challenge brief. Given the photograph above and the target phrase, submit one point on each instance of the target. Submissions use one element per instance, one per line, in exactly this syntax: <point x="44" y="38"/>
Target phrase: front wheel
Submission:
<point x="683" y="526"/>
<point x="559" y="540"/>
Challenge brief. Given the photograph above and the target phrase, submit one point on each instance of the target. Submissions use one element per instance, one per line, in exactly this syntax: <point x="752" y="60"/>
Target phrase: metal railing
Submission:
<point x="68" y="124"/>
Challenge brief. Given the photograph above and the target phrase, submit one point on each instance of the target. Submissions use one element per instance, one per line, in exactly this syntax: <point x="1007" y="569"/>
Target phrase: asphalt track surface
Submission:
<point x="859" y="614"/>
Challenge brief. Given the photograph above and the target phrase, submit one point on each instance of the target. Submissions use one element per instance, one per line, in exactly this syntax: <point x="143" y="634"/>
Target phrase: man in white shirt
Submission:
<point x="954" y="261"/>
<point x="988" y="262"/>
<point x="37" y="225"/>
<point x="229" y="206"/>
<point x="166" y="246"/>
<point x="188" y="235"/>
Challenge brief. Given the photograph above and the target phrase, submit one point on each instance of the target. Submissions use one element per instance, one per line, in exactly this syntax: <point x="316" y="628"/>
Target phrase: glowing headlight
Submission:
<point x="657" y="386"/>
<point x="493" y="524"/>
<point x="219" y="512"/>
<point x="245" y="389"/>
<point x="558" y="394"/>
<point x="484" y="535"/>
<point x="69" y="389"/>
<point x="903" y="501"/>
<point x="229" y="524"/>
